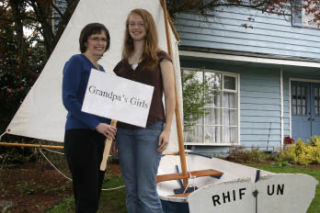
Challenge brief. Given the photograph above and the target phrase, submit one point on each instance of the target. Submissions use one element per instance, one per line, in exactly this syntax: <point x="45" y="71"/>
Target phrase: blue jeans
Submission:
<point x="139" y="161"/>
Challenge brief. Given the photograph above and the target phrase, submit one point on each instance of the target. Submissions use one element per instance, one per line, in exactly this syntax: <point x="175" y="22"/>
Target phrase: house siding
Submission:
<point x="260" y="108"/>
<point x="264" y="120"/>
<point x="248" y="30"/>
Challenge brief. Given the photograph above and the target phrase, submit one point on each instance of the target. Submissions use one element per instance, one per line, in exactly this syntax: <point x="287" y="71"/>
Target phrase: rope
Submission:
<point x="190" y="176"/>
<point x="115" y="188"/>
<point x="52" y="151"/>
<point x="61" y="173"/>
<point x="2" y="135"/>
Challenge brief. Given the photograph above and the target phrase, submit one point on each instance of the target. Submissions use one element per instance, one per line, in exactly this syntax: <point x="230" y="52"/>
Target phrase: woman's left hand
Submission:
<point x="163" y="140"/>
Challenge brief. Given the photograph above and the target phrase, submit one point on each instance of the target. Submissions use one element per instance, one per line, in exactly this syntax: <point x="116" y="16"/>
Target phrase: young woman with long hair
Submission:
<point x="140" y="148"/>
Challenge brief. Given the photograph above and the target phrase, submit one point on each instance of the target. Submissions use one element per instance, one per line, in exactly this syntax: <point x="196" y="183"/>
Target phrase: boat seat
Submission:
<point x="197" y="173"/>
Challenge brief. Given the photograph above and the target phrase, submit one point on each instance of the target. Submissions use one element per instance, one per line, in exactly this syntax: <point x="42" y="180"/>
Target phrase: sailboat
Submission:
<point x="186" y="182"/>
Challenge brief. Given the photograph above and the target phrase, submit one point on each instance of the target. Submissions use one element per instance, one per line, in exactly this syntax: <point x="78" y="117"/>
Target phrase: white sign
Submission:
<point x="117" y="98"/>
<point x="223" y="198"/>
<point x="285" y="193"/>
<point x="281" y="193"/>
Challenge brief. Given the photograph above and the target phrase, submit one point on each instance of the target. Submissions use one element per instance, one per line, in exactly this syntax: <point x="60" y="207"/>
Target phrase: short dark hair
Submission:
<point x="90" y="29"/>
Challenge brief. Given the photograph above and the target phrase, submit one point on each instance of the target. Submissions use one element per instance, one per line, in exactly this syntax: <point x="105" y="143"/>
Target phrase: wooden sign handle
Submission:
<point x="107" y="148"/>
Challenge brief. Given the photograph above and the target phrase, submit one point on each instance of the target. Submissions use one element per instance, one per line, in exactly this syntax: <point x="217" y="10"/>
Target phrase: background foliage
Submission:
<point x="30" y="29"/>
<point x="23" y="56"/>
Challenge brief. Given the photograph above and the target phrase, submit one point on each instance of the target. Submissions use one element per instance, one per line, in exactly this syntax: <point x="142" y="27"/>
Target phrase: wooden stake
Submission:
<point x="177" y="110"/>
<point x="30" y="145"/>
<point x="107" y="148"/>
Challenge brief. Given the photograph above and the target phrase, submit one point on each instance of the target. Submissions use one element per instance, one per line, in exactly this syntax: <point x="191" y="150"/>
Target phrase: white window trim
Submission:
<point x="237" y="91"/>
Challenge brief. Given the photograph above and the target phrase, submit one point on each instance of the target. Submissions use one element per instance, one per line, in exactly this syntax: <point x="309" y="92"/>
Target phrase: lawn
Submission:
<point x="111" y="201"/>
<point x="114" y="201"/>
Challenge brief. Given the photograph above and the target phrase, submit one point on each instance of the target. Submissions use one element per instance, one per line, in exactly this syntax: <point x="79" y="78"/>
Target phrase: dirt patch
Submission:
<point x="35" y="187"/>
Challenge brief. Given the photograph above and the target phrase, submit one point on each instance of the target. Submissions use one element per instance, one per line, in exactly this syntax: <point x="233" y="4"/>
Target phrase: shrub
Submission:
<point x="302" y="153"/>
<point x="245" y="155"/>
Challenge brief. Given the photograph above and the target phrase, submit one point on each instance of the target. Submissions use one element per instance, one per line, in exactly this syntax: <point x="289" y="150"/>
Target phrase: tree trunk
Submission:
<point x="18" y="11"/>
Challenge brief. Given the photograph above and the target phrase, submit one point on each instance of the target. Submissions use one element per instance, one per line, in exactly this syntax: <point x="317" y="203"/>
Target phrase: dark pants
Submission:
<point x="84" y="150"/>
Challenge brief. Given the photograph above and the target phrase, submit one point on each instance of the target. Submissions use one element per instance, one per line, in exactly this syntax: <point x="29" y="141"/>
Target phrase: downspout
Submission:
<point x="281" y="110"/>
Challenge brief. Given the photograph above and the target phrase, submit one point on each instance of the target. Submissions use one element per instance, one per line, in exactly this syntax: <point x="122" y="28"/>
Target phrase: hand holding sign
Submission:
<point x="107" y="148"/>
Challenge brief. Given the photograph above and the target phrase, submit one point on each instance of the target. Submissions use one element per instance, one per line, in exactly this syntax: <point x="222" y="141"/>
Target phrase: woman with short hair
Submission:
<point x="85" y="133"/>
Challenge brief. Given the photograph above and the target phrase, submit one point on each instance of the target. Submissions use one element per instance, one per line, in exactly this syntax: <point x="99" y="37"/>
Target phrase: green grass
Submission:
<point x="114" y="201"/>
<point x="110" y="201"/>
<point x="315" y="205"/>
<point x="66" y="205"/>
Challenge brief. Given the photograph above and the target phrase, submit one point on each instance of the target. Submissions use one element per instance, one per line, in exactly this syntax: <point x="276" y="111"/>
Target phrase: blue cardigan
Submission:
<point x="76" y="73"/>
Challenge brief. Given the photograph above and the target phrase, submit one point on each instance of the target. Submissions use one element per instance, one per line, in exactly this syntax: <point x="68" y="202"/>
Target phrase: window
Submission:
<point x="218" y="124"/>
<point x="62" y="6"/>
<point x="316" y="100"/>
<point x="299" y="100"/>
<point x="304" y="14"/>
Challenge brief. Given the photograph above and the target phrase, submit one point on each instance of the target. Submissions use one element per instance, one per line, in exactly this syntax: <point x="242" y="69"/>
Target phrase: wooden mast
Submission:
<point x="177" y="109"/>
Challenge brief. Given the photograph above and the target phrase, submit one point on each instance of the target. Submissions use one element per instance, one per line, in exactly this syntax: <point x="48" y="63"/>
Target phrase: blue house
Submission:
<point x="267" y="69"/>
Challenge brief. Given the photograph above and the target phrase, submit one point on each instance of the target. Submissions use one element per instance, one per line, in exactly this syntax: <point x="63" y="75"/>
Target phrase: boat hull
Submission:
<point x="240" y="189"/>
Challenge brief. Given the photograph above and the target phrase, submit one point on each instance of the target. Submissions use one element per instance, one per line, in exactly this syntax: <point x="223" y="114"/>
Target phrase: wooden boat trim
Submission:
<point x="181" y="195"/>
<point x="197" y="173"/>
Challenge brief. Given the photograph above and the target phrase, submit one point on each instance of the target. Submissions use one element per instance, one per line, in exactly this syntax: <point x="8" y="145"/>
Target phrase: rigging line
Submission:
<point x="60" y="172"/>
<point x="115" y="188"/>
<point x="190" y="174"/>
<point x="52" y="151"/>
<point x="5" y="132"/>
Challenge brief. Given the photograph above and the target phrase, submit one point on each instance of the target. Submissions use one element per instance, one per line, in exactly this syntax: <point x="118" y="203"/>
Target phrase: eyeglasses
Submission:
<point x="97" y="39"/>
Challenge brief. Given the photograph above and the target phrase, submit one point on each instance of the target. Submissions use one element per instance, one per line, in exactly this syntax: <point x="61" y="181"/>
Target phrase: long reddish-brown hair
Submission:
<point x="151" y="40"/>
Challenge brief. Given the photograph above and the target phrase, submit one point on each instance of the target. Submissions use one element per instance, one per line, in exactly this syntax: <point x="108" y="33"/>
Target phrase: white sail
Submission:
<point x="42" y="115"/>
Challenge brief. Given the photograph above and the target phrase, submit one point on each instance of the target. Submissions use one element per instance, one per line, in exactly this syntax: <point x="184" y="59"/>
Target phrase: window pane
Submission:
<point x="197" y="75"/>
<point x="299" y="100"/>
<point x="294" y="100"/>
<point x="213" y="117"/>
<point x="215" y="100"/>
<point x="303" y="107"/>
<point x="229" y="82"/>
<point x="194" y="134"/>
<point x="229" y="100"/>
<point x="212" y="135"/>
<point x="229" y="117"/>
<point x="303" y="101"/>
<point x="213" y="79"/>
<point x="230" y="135"/>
